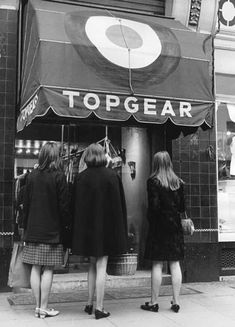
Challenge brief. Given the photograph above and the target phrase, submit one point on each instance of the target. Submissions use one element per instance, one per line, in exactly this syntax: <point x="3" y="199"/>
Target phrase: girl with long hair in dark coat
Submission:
<point x="46" y="213"/>
<point x="100" y="222"/>
<point x="165" y="240"/>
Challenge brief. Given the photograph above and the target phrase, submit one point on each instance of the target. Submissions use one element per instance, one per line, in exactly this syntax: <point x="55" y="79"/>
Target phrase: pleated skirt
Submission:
<point x="43" y="254"/>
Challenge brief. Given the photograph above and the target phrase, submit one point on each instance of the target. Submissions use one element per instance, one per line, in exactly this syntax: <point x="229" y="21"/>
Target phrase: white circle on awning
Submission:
<point x="126" y="43"/>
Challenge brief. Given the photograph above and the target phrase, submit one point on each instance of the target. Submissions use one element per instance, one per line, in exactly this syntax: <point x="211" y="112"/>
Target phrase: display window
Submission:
<point x="226" y="171"/>
<point x="129" y="148"/>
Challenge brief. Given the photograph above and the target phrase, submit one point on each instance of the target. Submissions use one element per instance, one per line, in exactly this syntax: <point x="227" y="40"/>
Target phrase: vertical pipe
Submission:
<point x="69" y="140"/>
<point x="62" y="138"/>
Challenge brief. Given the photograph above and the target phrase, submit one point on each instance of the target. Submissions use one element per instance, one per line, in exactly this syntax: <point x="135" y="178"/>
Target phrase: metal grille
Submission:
<point x="227" y="260"/>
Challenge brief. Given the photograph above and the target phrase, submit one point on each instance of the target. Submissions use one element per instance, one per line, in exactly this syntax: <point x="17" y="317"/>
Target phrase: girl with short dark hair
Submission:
<point x="100" y="222"/>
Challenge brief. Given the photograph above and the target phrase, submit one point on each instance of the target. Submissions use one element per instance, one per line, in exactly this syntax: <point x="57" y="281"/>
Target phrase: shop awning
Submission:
<point x="80" y="61"/>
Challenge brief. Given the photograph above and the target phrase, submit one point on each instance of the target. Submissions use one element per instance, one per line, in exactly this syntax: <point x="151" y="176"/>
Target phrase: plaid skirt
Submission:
<point x="43" y="254"/>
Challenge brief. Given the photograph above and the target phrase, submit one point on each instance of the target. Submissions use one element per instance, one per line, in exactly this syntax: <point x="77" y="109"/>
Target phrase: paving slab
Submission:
<point x="111" y="293"/>
<point x="205" y="305"/>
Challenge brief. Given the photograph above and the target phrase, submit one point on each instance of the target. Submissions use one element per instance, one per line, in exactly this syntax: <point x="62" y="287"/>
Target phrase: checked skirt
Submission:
<point x="43" y="254"/>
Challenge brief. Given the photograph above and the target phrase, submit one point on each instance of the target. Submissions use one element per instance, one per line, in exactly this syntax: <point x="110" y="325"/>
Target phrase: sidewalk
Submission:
<point x="202" y="305"/>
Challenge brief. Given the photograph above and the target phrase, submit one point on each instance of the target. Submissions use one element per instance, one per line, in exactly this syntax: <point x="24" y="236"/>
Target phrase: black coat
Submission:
<point x="165" y="240"/>
<point x="46" y="206"/>
<point x="100" y="220"/>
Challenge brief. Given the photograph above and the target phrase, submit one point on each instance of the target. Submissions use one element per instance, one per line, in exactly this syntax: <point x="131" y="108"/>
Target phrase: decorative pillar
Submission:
<point x="198" y="15"/>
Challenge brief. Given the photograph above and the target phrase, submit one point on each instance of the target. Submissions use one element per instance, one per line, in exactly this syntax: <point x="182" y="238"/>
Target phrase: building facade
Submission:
<point x="225" y="124"/>
<point x="193" y="148"/>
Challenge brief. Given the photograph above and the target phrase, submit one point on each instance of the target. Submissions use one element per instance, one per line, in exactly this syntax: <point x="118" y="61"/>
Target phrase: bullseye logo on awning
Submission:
<point x="126" y="43"/>
<point x="123" y="50"/>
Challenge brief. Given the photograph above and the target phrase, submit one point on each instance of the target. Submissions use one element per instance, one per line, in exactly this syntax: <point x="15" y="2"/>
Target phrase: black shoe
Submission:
<point x="175" y="307"/>
<point x="101" y="314"/>
<point x="150" y="307"/>
<point x="88" y="309"/>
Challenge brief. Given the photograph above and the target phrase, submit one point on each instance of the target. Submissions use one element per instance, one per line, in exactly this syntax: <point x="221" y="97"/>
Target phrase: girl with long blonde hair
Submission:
<point x="165" y="240"/>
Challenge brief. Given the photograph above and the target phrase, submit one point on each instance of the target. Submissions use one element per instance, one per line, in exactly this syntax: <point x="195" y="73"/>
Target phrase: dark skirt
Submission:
<point x="164" y="245"/>
<point x="43" y="254"/>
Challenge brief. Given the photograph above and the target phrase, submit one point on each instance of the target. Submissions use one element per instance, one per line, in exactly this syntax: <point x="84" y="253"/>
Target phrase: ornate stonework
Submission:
<point x="195" y="10"/>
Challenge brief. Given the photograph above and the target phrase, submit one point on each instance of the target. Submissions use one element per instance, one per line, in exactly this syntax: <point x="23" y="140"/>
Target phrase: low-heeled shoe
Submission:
<point x="43" y="313"/>
<point x="175" y="307"/>
<point x="89" y="309"/>
<point x="101" y="314"/>
<point x="150" y="307"/>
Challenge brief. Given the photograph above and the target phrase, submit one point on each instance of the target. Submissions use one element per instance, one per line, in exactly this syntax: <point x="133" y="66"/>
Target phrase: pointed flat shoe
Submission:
<point x="150" y="307"/>
<point x="175" y="307"/>
<point x="101" y="314"/>
<point x="89" y="309"/>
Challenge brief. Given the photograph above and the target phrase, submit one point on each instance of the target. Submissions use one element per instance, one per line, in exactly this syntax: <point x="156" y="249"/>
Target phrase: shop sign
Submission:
<point x="29" y="109"/>
<point x="131" y="104"/>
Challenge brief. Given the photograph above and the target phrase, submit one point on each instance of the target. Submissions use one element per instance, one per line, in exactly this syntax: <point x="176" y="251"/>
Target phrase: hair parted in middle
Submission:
<point x="163" y="171"/>
<point x="95" y="156"/>
<point x="49" y="156"/>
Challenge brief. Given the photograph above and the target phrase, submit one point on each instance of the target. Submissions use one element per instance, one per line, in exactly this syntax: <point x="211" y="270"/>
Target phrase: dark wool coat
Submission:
<point x="165" y="240"/>
<point x="46" y="206"/>
<point x="100" y="219"/>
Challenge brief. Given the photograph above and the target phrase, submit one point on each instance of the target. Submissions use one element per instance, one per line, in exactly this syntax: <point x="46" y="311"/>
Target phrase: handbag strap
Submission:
<point x="183" y="215"/>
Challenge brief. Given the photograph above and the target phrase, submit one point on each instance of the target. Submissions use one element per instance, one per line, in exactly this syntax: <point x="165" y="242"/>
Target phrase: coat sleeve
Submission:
<point x="123" y="202"/>
<point x="153" y="199"/>
<point x="26" y="204"/>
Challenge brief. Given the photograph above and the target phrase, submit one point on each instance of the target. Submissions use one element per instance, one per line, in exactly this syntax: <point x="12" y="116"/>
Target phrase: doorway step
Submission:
<point x="77" y="282"/>
<point x="70" y="282"/>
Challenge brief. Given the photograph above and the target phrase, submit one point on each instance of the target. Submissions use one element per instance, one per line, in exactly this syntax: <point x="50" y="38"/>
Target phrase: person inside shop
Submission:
<point x="46" y="214"/>
<point x="165" y="240"/>
<point x="100" y="222"/>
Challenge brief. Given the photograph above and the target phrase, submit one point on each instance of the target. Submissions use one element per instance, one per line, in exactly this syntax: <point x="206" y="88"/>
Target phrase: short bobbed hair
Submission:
<point x="95" y="156"/>
<point x="49" y="157"/>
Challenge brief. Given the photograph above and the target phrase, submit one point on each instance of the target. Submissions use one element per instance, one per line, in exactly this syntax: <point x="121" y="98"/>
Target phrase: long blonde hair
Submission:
<point x="163" y="171"/>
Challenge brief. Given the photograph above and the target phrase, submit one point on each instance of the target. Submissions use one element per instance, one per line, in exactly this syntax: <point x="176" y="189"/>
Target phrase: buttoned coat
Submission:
<point x="46" y="206"/>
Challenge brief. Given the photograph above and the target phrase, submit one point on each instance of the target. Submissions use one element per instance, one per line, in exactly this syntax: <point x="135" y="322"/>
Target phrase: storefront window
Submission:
<point x="129" y="147"/>
<point x="226" y="171"/>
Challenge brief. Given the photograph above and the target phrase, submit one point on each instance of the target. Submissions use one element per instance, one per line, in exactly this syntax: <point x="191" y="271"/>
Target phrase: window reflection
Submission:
<point x="226" y="172"/>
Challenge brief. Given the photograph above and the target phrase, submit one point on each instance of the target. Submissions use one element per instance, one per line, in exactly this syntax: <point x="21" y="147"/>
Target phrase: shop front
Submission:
<point x="225" y="111"/>
<point x="134" y="83"/>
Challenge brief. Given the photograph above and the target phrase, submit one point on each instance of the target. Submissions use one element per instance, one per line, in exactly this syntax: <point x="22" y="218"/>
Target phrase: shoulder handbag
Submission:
<point x="187" y="225"/>
<point x="19" y="272"/>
